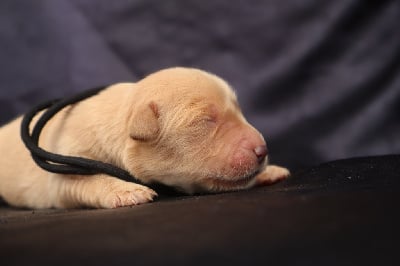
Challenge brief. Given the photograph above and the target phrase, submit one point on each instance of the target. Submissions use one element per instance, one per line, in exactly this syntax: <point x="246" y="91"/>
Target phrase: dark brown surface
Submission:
<point x="340" y="213"/>
<point x="319" y="79"/>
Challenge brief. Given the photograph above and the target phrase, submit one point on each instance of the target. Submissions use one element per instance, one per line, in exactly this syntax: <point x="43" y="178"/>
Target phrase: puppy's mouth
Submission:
<point x="225" y="184"/>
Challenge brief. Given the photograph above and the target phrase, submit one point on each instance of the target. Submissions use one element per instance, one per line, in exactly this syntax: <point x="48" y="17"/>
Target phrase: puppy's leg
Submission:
<point x="272" y="174"/>
<point x="100" y="191"/>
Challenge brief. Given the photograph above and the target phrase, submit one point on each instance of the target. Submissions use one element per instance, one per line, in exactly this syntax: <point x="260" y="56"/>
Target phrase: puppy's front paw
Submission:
<point x="272" y="174"/>
<point x="127" y="194"/>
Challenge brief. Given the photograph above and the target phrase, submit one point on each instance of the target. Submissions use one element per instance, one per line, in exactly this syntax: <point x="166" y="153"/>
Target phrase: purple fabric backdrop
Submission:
<point x="320" y="79"/>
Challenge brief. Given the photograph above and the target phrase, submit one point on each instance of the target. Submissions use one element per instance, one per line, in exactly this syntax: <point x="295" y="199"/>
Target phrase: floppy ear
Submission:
<point x="144" y="122"/>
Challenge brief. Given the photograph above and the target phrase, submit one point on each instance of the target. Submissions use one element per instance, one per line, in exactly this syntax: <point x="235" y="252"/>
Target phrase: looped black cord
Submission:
<point x="62" y="164"/>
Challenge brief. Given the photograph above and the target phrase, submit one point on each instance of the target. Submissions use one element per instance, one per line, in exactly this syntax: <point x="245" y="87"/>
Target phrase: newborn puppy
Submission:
<point x="180" y="127"/>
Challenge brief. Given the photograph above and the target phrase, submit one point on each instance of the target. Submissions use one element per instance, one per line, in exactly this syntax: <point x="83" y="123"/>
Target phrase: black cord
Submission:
<point x="61" y="164"/>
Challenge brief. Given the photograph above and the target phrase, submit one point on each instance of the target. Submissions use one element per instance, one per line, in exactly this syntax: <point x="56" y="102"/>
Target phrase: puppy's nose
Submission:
<point x="261" y="152"/>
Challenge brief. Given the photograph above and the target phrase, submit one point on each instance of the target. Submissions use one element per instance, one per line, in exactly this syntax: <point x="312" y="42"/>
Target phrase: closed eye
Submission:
<point x="207" y="116"/>
<point x="210" y="119"/>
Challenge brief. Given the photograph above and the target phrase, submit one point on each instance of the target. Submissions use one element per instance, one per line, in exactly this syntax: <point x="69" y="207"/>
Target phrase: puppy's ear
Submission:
<point x="145" y="122"/>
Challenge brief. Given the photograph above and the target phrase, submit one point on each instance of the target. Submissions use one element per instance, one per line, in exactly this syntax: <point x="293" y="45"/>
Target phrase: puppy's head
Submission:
<point x="186" y="130"/>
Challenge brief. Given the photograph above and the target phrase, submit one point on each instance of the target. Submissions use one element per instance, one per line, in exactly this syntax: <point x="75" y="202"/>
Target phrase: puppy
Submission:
<point x="180" y="127"/>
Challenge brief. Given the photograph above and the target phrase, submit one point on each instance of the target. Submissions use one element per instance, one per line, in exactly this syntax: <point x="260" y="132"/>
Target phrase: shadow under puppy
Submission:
<point x="180" y="127"/>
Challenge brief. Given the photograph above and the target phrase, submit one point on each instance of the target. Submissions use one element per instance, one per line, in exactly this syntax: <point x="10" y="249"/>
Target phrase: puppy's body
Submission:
<point x="181" y="127"/>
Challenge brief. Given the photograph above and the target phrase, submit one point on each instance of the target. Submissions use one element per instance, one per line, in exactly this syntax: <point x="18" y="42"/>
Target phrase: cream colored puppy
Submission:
<point x="181" y="127"/>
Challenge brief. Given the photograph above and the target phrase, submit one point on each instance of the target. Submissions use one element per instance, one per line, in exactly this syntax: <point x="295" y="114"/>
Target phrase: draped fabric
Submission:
<point x="319" y="79"/>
